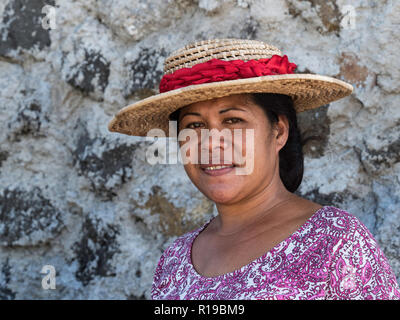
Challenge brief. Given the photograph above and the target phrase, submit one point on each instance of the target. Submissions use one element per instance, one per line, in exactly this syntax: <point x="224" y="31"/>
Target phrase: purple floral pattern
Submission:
<point x="331" y="256"/>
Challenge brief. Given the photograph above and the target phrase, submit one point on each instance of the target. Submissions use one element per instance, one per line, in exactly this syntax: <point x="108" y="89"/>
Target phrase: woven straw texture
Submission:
<point x="224" y="49"/>
<point x="308" y="91"/>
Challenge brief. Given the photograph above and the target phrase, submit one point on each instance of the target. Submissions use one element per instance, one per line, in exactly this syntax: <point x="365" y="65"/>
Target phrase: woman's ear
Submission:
<point x="281" y="132"/>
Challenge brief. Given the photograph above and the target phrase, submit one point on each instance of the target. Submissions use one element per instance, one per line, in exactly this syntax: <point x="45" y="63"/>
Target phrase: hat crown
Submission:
<point x="223" y="49"/>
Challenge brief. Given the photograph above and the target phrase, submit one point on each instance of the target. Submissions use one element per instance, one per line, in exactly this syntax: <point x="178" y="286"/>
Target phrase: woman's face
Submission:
<point x="259" y="168"/>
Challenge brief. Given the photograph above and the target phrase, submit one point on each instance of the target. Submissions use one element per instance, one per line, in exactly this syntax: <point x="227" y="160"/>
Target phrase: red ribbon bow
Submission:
<point x="216" y="70"/>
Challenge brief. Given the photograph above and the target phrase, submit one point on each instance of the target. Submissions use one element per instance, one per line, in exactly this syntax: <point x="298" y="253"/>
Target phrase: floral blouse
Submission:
<point x="331" y="256"/>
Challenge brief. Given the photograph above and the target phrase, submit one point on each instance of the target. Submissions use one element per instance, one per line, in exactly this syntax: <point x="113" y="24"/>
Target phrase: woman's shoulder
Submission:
<point x="175" y="255"/>
<point x="340" y="223"/>
<point x="358" y="267"/>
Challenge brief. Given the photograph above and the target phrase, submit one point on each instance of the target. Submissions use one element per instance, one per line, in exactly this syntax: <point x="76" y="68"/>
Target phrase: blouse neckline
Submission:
<point x="243" y="268"/>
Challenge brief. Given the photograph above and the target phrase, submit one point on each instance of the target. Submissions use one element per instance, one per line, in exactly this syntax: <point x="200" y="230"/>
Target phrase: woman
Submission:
<point x="266" y="242"/>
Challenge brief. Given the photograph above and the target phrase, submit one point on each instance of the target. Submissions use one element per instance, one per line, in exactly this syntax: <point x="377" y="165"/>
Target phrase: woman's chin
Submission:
<point x="222" y="195"/>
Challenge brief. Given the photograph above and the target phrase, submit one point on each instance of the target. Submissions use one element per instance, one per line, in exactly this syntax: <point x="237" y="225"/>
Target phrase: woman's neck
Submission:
<point x="235" y="218"/>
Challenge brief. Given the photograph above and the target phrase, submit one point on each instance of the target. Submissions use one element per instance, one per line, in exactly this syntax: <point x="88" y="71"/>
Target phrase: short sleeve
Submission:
<point x="158" y="273"/>
<point x="166" y="267"/>
<point x="359" y="270"/>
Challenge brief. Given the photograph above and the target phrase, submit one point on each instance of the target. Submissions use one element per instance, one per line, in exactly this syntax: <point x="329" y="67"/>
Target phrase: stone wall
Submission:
<point x="84" y="200"/>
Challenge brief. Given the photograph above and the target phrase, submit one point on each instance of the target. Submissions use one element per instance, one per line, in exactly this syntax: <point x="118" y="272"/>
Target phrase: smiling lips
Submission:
<point x="216" y="169"/>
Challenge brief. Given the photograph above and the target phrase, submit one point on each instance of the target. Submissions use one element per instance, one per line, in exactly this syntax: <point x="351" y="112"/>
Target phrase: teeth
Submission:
<point x="218" y="167"/>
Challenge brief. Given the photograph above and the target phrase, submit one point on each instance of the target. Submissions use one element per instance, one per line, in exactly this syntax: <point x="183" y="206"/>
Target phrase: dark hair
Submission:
<point x="291" y="161"/>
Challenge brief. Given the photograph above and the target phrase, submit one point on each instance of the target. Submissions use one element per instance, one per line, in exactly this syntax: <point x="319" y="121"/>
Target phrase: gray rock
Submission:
<point x="107" y="169"/>
<point x="89" y="74"/>
<point x="86" y="201"/>
<point x="314" y="128"/>
<point x="3" y="156"/>
<point x="143" y="71"/>
<point x="95" y="249"/>
<point x="27" y="218"/>
<point x="27" y="121"/>
<point x="5" y="275"/>
<point x="22" y="28"/>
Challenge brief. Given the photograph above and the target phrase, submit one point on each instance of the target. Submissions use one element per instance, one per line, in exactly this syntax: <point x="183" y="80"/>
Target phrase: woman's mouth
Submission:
<point x="217" y="170"/>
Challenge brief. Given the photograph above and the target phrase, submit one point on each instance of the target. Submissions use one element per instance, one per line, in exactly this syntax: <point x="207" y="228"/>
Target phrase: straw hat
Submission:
<point x="193" y="74"/>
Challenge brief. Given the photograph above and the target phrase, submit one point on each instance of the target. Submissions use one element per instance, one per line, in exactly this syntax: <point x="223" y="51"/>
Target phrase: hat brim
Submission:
<point x="308" y="91"/>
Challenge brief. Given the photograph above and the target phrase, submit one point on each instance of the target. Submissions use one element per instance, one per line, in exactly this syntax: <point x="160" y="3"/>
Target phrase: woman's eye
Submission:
<point x="194" y="125"/>
<point x="233" y="120"/>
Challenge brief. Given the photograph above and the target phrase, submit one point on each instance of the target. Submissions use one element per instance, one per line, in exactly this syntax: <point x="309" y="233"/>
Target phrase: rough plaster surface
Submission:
<point x="84" y="200"/>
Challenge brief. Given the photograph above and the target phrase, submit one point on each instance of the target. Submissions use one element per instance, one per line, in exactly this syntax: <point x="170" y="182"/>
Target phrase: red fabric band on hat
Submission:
<point x="216" y="70"/>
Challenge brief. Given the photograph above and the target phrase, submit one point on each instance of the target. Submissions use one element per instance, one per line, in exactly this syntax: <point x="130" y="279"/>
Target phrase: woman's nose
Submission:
<point x="213" y="142"/>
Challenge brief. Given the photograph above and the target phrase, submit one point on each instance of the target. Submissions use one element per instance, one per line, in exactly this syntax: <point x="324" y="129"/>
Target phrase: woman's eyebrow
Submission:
<point x="191" y="113"/>
<point x="232" y="108"/>
<point x="221" y="111"/>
